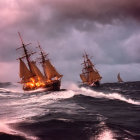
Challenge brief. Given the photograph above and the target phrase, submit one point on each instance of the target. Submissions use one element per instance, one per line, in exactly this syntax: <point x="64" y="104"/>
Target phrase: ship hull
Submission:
<point x="95" y="84"/>
<point x="51" y="86"/>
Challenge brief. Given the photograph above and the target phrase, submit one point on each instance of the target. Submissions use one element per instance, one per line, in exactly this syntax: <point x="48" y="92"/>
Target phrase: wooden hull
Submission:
<point x="51" y="86"/>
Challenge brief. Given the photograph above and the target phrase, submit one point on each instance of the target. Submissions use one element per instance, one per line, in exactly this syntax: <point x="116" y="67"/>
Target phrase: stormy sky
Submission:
<point x="108" y="30"/>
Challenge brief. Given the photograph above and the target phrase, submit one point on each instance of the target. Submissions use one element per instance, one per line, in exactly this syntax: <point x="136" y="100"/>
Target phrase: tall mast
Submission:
<point x="85" y="65"/>
<point x="26" y="52"/>
<point x="86" y="56"/>
<point x="43" y="56"/>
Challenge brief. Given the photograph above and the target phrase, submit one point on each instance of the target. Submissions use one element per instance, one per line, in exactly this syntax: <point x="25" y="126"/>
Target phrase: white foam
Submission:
<point x="30" y="103"/>
<point x="46" y="98"/>
<point x="106" y="134"/>
<point x="4" y="128"/>
<point x="3" y="90"/>
<point x="95" y="94"/>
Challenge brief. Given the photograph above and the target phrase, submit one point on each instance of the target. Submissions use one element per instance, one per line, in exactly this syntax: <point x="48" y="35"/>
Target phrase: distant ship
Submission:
<point x="32" y="78"/>
<point x="89" y="76"/>
<point x="119" y="78"/>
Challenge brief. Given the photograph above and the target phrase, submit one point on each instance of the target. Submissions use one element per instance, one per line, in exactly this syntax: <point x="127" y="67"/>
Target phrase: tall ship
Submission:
<point x="31" y="76"/>
<point x="119" y="78"/>
<point x="90" y="75"/>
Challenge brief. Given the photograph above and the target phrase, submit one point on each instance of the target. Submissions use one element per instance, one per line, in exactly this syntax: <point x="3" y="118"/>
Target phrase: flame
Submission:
<point x="34" y="84"/>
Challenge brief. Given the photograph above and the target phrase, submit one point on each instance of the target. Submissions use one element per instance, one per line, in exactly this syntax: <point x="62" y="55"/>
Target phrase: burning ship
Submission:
<point x="89" y="76"/>
<point x="31" y="76"/>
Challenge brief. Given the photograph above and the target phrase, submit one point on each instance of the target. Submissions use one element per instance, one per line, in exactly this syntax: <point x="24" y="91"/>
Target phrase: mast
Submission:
<point x="49" y="70"/>
<point x="85" y="74"/>
<point x="86" y="56"/>
<point x="43" y="56"/>
<point x="25" y="52"/>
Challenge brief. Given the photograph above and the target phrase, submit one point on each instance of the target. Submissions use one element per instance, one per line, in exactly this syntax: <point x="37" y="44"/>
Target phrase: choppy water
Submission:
<point x="111" y="112"/>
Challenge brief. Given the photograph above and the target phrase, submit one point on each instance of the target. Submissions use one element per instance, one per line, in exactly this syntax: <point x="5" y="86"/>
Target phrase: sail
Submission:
<point x="91" y="73"/>
<point x="83" y="78"/>
<point x="94" y="76"/>
<point x="25" y="74"/>
<point x="36" y="71"/>
<point x="50" y="70"/>
<point x="119" y="78"/>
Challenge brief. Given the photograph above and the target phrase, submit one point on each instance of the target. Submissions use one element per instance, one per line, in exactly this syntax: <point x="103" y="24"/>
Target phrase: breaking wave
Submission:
<point x="113" y="96"/>
<point x="6" y="130"/>
<point x="54" y="96"/>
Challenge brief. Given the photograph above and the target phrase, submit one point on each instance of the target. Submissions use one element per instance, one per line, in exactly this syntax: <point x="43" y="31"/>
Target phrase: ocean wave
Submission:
<point x="113" y="96"/>
<point x="43" y="98"/>
<point x="33" y="104"/>
<point x="4" y="90"/>
<point x="103" y="132"/>
<point x="6" y="130"/>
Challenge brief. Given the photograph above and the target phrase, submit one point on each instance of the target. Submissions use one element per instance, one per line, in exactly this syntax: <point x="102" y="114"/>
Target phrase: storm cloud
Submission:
<point x="104" y="11"/>
<point x="108" y="30"/>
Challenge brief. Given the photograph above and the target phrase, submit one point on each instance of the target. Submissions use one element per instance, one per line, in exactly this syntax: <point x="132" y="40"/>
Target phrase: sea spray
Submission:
<point x="70" y="114"/>
<point x="113" y="96"/>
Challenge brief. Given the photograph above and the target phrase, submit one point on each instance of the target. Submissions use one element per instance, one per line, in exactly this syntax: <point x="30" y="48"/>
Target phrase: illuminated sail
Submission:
<point x="31" y="76"/>
<point x="50" y="70"/>
<point x="94" y="76"/>
<point x="119" y="78"/>
<point x="25" y="74"/>
<point x="36" y="70"/>
<point x="89" y="73"/>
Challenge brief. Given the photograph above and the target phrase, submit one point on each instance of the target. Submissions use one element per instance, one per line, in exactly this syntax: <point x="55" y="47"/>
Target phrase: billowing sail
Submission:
<point x="36" y="71"/>
<point x="119" y="78"/>
<point x="83" y="78"/>
<point x="30" y="74"/>
<point x="25" y="74"/>
<point x="94" y="76"/>
<point x="89" y="73"/>
<point x="50" y="70"/>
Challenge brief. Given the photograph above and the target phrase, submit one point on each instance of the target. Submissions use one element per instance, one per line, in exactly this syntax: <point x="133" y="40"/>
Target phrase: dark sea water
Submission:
<point x="111" y="112"/>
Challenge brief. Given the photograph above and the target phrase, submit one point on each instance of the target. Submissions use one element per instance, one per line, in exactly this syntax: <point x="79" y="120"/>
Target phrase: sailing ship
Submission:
<point x="31" y="76"/>
<point x="119" y="78"/>
<point x="90" y="75"/>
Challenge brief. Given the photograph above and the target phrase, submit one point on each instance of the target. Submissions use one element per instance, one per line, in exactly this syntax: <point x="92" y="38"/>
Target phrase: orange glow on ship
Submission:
<point x="33" y="84"/>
